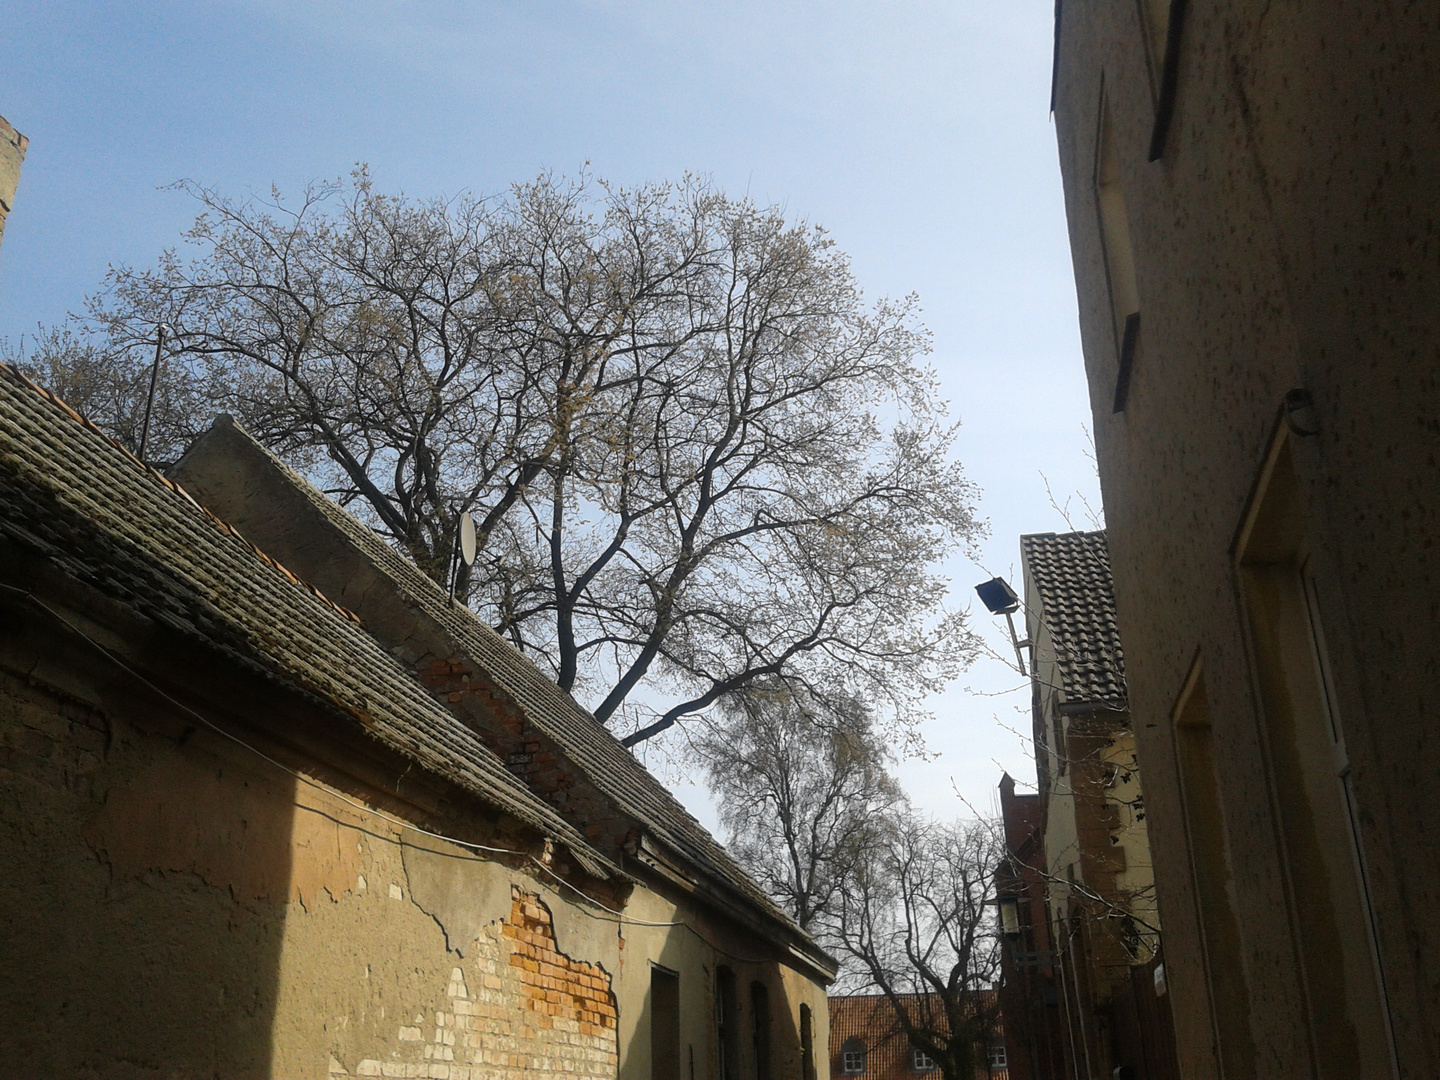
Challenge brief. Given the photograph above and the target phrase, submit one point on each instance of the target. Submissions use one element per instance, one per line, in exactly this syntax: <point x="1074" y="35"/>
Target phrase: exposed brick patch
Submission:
<point x="554" y="984"/>
<point x="522" y="1011"/>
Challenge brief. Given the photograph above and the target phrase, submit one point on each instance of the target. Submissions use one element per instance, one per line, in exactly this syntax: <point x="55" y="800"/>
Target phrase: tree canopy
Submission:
<point x="905" y="902"/>
<point x="799" y="793"/>
<point x="698" y="459"/>
<point x="916" y="923"/>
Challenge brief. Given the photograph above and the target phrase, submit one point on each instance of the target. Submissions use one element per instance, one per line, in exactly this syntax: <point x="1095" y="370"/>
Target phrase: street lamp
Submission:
<point x="1009" y="915"/>
<point x="997" y="595"/>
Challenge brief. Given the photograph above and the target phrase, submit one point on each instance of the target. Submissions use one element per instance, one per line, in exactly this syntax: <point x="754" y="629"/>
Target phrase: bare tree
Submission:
<point x="697" y="457"/>
<point x="799" y="792"/>
<point x="917" y="925"/>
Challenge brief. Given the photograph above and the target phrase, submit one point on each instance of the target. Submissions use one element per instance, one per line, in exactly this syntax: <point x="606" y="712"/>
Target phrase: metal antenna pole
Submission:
<point x="160" y="329"/>
<point x="452" y="567"/>
<point x="1015" y="640"/>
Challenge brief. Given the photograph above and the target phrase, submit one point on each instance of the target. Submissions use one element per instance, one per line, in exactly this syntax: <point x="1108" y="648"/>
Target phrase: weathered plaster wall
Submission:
<point x="177" y="907"/>
<point x="128" y="952"/>
<point x="695" y="949"/>
<point x="1135" y="881"/>
<point x="512" y="1004"/>
<point x="1287" y="238"/>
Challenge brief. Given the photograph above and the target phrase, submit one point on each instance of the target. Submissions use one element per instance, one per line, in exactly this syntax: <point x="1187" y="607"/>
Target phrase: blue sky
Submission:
<point x="916" y="132"/>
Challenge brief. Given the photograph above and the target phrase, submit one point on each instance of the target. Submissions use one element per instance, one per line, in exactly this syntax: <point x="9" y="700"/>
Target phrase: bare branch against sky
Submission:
<point x="918" y="134"/>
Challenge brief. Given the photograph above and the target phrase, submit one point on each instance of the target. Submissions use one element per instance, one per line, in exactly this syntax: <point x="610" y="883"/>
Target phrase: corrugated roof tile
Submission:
<point x="1071" y="573"/>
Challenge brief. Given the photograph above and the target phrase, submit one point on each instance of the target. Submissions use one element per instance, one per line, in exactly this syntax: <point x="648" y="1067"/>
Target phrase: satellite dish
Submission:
<point x="467" y="539"/>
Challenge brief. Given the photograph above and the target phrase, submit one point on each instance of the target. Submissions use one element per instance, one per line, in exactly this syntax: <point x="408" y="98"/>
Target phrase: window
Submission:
<point x="852" y="1056"/>
<point x="1119" y="256"/>
<point x="727" y="1026"/>
<point x="996" y="1057"/>
<point x="760" y="1029"/>
<point x="1156" y="25"/>
<point x="807" y="1044"/>
<point x="664" y="1024"/>
<point x="1204" y="811"/>
<point x="921" y="1061"/>
<point x="1161" y="22"/>
<point x="1311" y="778"/>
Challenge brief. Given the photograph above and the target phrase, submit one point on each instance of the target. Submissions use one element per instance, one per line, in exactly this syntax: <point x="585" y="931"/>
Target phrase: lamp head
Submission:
<point x="997" y="596"/>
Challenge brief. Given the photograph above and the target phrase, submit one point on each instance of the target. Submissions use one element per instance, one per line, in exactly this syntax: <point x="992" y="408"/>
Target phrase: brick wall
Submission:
<point x="526" y="751"/>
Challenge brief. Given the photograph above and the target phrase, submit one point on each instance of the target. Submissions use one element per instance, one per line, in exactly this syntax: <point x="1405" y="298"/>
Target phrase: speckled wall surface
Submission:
<point x="1286" y="238"/>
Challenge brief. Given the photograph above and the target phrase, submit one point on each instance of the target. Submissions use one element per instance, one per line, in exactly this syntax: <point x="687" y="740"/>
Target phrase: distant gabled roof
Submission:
<point x="1071" y="574"/>
<point x="75" y="497"/>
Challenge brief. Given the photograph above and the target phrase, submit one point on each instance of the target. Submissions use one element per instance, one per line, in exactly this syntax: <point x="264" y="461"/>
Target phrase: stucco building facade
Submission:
<point x="259" y="821"/>
<point x="1252" y="193"/>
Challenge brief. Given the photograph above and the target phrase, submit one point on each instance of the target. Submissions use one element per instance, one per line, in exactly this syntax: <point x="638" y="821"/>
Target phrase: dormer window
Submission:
<point x="921" y="1061"/>
<point x="852" y="1056"/>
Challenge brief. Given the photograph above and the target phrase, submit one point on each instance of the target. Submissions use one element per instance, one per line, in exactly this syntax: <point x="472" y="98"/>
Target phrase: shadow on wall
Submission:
<point x="144" y="872"/>
<point x="735" y="1020"/>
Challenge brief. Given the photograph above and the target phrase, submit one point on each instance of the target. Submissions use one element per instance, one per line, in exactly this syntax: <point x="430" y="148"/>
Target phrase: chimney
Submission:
<point x="12" y="153"/>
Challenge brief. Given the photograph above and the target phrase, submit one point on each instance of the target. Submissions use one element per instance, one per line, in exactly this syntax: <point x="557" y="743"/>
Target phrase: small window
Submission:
<point x="922" y="1061"/>
<point x="1119" y="257"/>
<point x="664" y="1024"/>
<point x="727" y="1026"/>
<point x="997" y="1057"/>
<point x="852" y="1056"/>
<point x="760" y="1029"/>
<point x="807" y="1044"/>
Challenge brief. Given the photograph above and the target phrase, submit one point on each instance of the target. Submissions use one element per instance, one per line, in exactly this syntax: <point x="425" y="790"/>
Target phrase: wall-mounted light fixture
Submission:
<point x="1300" y="413"/>
<point x="997" y="595"/>
<point x="1009" y="915"/>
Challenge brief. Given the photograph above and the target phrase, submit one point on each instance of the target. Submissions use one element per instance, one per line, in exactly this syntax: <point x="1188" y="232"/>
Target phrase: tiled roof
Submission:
<point x="612" y="769"/>
<point x="75" y="497"/>
<point x="1071" y="573"/>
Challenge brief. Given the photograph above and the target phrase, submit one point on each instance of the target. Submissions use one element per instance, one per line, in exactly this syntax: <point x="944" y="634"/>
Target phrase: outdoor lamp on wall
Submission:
<point x="997" y="595"/>
<point x="1009" y="915"/>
